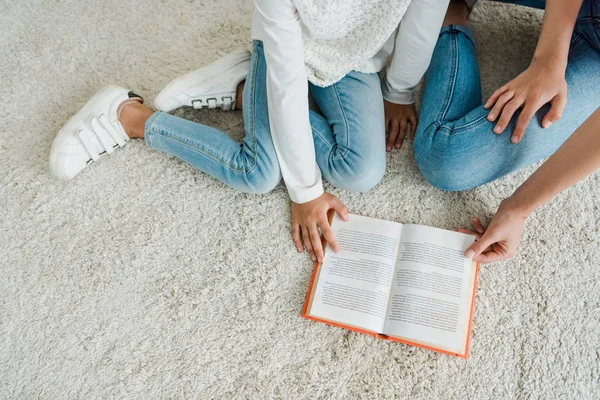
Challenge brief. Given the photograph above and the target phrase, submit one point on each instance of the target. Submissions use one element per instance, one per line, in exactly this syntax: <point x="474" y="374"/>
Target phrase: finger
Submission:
<point x="507" y="113"/>
<point x="489" y="257"/>
<point x="387" y="124"/>
<point x="328" y="234"/>
<point x="524" y="119"/>
<point x="307" y="243"/>
<point x="468" y="232"/>
<point x="394" y="128"/>
<point x="413" y="125"/>
<point x="500" y="103"/>
<point x="479" y="246"/>
<point x="556" y="110"/>
<point x="340" y="208"/>
<point x="494" y="97"/>
<point x="315" y="240"/>
<point x="296" y="237"/>
<point x="401" y="134"/>
<point x="478" y="226"/>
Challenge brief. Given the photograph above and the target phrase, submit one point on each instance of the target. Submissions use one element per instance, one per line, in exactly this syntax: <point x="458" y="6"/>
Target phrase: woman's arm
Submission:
<point x="287" y="96"/>
<point x="577" y="158"/>
<point x="415" y="40"/>
<point x="544" y="80"/>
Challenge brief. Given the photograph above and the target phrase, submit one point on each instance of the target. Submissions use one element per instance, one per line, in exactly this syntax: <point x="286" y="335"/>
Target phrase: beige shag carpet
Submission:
<point x="144" y="278"/>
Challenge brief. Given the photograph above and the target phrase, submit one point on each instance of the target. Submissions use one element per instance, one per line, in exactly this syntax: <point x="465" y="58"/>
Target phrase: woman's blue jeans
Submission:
<point x="455" y="147"/>
<point x="349" y="135"/>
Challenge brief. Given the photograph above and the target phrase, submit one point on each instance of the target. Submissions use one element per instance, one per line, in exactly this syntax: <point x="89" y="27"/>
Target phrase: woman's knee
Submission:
<point x="445" y="171"/>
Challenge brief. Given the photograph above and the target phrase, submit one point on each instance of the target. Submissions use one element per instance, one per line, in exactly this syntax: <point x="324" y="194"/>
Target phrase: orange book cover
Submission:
<point x="310" y="294"/>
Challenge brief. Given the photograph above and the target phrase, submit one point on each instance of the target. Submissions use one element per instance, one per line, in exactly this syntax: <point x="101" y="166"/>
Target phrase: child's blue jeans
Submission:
<point x="349" y="136"/>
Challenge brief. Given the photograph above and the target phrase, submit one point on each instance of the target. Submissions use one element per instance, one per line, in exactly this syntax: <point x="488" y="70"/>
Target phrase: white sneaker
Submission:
<point x="94" y="131"/>
<point x="212" y="86"/>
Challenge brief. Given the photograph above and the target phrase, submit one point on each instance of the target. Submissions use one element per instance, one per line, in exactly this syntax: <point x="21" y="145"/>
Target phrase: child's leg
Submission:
<point x="455" y="147"/>
<point x="250" y="166"/>
<point x="350" y="135"/>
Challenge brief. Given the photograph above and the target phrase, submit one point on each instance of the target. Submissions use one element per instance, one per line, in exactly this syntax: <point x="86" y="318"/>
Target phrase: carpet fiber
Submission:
<point x="145" y="278"/>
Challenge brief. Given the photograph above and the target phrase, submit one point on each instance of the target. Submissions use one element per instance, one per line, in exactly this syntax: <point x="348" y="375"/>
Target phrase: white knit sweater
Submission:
<point x="344" y="35"/>
<point x="324" y="40"/>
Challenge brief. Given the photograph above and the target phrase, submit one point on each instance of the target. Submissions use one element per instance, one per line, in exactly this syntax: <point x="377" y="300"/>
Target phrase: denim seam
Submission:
<point x="316" y="132"/>
<point x="151" y="127"/>
<point x="199" y="150"/>
<point x="188" y="144"/>
<point x="345" y="124"/>
<point x="593" y="19"/>
<point x="149" y="136"/>
<point x="450" y="93"/>
<point x="464" y="127"/>
<point x="252" y="113"/>
<point x="590" y="19"/>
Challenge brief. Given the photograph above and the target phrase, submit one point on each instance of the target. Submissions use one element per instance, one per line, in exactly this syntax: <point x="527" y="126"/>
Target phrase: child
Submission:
<point x="334" y="48"/>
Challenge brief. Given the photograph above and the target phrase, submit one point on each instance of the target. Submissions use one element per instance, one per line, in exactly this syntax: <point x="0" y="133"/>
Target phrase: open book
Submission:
<point x="407" y="283"/>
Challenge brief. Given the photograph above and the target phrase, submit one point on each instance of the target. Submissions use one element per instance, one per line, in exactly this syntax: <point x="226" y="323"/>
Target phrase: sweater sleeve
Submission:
<point x="278" y="25"/>
<point x="415" y="40"/>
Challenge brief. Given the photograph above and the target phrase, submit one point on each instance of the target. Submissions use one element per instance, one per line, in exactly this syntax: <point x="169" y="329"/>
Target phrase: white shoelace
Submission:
<point x="108" y="137"/>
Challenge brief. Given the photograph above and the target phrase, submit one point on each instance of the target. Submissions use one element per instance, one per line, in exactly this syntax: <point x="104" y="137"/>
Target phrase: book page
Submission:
<point x="352" y="287"/>
<point x="432" y="289"/>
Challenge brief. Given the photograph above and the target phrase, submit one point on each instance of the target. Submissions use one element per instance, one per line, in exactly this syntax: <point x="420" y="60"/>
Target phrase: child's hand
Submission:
<point x="397" y="120"/>
<point x="308" y="218"/>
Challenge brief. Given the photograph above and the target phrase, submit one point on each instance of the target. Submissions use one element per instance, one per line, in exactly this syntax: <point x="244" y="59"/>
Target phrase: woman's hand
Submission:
<point x="307" y="218"/>
<point x="543" y="82"/>
<point x="397" y="120"/>
<point x="501" y="239"/>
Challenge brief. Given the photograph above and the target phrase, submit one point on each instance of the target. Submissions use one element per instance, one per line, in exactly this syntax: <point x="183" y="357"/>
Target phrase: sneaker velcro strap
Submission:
<point x="117" y="137"/>
<point x="103" y="136"/>
<point x="87" y="144"/>
<point x="228" y="104"/>
<point x="212" y="103"/>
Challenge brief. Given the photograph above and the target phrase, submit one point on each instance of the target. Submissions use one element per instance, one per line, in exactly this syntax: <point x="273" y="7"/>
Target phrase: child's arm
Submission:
<point x="287" y="95"/>
<point x="278" y="25"/>
<point x="415" y="41"/>
<point x="577" y="158"/>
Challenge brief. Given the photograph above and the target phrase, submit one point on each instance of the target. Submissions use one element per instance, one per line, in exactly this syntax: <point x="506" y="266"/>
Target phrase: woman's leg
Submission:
<point x="249" y="166"/>
<point x="588" y="23"/>
<point x="455" y="147"/>
<point x="350" y="135"/>
<point x="540" y="4"/>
